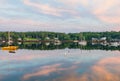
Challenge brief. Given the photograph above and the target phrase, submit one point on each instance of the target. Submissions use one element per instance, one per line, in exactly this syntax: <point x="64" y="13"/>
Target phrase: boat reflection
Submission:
<point x="10" y="49"/>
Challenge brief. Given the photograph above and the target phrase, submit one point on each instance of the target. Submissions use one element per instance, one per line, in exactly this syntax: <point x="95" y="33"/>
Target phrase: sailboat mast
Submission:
<point x="81" y="37"/>
<point x="9" y="38"/>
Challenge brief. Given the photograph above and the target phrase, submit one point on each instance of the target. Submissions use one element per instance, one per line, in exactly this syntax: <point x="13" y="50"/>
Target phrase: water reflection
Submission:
<point x="103" y="70"/>
<point x="70" y="45"/>
<point x="59" y="65"/>
<point x="11" y="51"/>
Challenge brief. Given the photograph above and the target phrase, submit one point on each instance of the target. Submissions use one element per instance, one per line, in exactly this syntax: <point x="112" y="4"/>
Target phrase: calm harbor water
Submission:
<point x="68" y="64"/>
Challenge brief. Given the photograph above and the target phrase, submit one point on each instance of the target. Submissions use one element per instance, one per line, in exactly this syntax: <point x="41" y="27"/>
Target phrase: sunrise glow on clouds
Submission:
<point x="60" y="15"/>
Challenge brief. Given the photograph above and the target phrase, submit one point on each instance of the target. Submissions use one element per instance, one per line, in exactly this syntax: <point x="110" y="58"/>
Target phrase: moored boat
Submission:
<point x="10" y="48"/>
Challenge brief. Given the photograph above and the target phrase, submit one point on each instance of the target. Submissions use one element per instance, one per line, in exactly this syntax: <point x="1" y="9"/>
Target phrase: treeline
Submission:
<point x="52" y="46"/>
<point x="61" y="36"/>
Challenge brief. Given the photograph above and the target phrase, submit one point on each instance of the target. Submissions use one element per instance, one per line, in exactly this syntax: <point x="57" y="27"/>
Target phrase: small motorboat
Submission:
<point x="10" y="48"/>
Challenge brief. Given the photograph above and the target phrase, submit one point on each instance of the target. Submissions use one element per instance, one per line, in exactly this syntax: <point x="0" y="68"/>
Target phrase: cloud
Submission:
<point x="103" y="6"/>
<point x="46" y="70"/>
<point x="104" y="10"/>
<point x="64" y="14"/>
<point x="48" y="9"/>
<point x="106" y="69"/>
<point x="73" y="3"/>
<point x="43" y="8"/>
<point x="107" y="11"/>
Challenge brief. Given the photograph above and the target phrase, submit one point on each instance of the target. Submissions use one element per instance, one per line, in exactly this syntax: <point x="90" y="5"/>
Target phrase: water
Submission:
<point x="68" y="64"/>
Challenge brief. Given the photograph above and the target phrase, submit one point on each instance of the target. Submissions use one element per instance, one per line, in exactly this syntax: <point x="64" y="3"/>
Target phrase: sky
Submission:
<point x="60" y="15"/>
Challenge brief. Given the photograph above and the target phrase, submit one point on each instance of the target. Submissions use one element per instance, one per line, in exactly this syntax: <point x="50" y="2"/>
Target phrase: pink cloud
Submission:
<point x="74" y="3"/>
<point x="101" y="71"/>
<point x="110" y="17"/>
<point x="46" y="70"/>
<point x="44" y="8"/>
<point x="103" y="5"/>
<point x="48" y="9"/>
<point x="112" y="60"/>
<point x="103" y="67"/>
<point x="106" y="11"/>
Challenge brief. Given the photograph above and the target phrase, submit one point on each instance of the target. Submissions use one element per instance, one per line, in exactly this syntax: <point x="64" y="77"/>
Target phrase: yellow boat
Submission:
<point x="10" y="48"/>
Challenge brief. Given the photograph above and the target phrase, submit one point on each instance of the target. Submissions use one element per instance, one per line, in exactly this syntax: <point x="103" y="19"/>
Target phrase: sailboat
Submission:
<point x="82" y="41"/>
<point x="10" y="47"/>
